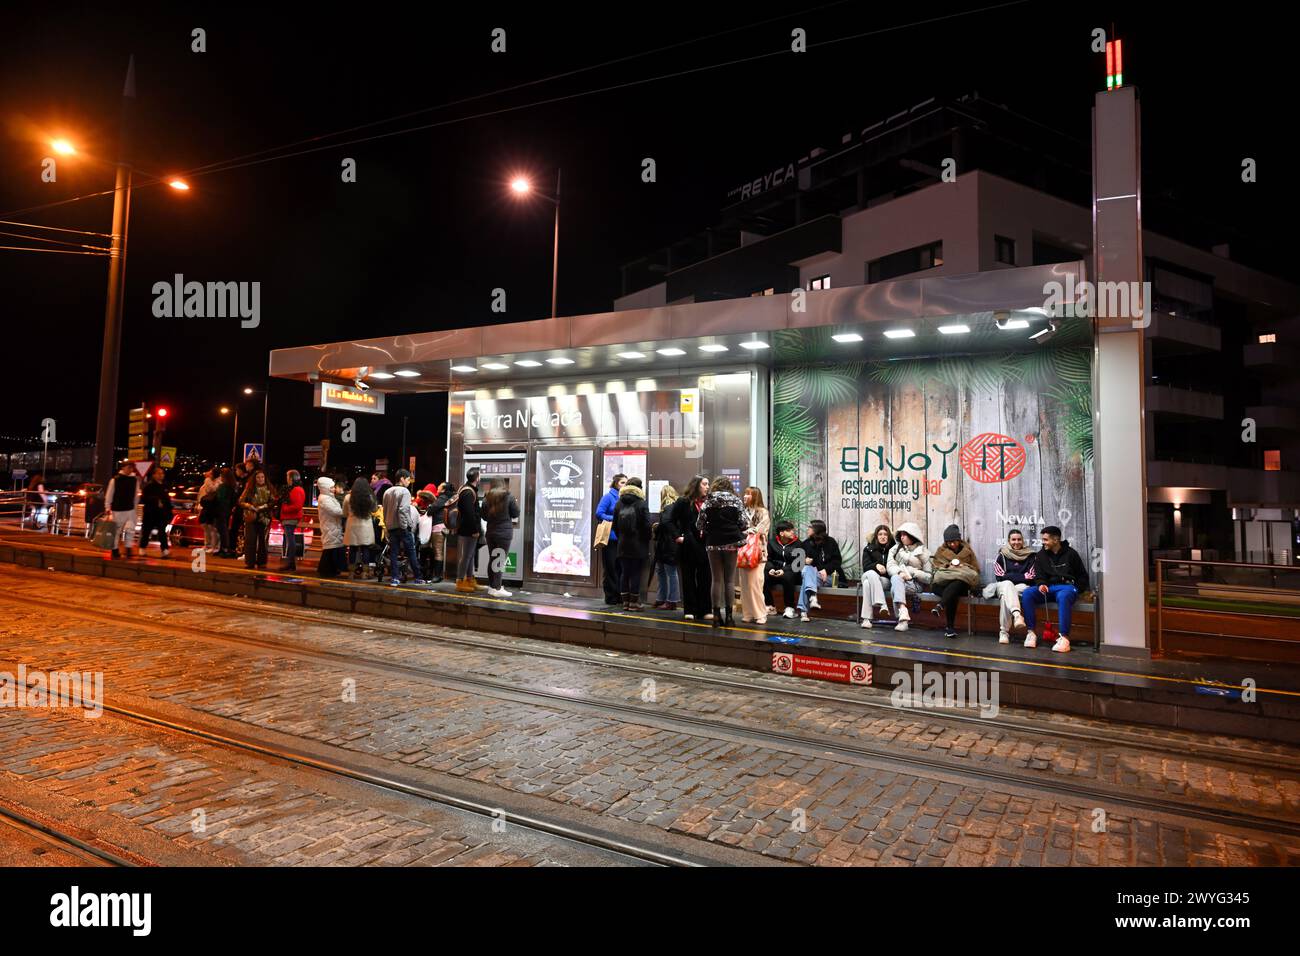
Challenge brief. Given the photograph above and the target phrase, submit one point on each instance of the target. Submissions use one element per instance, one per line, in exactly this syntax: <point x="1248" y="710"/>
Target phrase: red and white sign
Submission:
<point x="822" y="668"/>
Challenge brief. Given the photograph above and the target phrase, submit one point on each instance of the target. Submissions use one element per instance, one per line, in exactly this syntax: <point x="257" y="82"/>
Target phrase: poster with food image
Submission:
<point x="563" y="512"/>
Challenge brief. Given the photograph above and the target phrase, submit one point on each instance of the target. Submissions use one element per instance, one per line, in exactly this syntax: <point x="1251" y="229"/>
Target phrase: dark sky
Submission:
<point x="427" y="232"/>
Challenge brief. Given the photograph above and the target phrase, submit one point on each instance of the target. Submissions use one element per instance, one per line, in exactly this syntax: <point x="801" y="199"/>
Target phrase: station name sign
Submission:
<point x="348" y="399"/>
<point x="521" y="418"/>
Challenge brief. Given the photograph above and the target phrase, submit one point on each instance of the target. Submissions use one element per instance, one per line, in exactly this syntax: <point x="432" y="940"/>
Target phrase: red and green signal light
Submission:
<point x="1114" y="64"/>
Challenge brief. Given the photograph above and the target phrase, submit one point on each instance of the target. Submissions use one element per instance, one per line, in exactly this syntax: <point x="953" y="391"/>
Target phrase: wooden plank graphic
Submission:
<point x="988" y="442"/>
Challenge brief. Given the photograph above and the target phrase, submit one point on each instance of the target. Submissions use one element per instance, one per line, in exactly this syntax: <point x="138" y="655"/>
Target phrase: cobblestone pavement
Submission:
<point x="786" y="802"/>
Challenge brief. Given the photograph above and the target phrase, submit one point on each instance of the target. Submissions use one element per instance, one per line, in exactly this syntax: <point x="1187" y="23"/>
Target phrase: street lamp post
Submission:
<point x="266" y="402"/>
<point x="522" y="187"/>
<point x="234" y="433"/>
<point x="108" y="369"/>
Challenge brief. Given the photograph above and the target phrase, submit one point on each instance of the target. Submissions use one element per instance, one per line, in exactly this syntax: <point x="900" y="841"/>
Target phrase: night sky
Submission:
<point x="428" y="230"/>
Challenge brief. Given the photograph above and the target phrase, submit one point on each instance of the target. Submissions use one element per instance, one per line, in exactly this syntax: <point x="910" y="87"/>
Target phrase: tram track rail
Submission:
<point x="52" y="836"/>
<point x="891" y="758"/>
<point x="1244" y="757"/>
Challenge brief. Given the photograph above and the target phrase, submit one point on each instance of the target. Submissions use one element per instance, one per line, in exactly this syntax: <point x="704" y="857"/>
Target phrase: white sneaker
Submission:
<point x="1004" y="637"/>
<point x="498" y="592"/>
<point x="788" y="612"/>
<point x="1031" y="639"/>
<point x="803" y="616"/>
<point x="1062" y="644"/>
<point x="814" y="604"/>
<point x="688" y="617"/>
<point x="883" y="611"/>
<point x="901" y="625"/>
<point x="866" y="622"/>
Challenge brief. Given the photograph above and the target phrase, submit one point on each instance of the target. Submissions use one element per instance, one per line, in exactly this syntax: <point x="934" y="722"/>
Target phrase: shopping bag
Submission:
<point x="602" y="534"/>
<point x="105" y="533"/>
<point x="750" y="554"/>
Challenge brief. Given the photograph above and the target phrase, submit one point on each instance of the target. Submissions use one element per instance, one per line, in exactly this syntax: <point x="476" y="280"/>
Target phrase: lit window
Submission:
<point x="1273" y="460"/>
<point x="821" y="282"/>
<point x="1004" y="250"/>
<point x="1266" y="337"/>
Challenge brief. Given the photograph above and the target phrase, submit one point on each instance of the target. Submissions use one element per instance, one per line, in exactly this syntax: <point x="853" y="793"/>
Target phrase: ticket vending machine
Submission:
<point x="510" y="468"/>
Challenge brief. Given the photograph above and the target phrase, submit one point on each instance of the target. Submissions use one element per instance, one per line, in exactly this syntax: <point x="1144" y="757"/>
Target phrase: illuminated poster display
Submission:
<point x="563" y="512"/>
<point x="621" y="461"/>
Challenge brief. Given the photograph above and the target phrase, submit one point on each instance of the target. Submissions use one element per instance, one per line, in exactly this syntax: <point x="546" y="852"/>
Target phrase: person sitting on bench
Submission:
<point x="875" y="573"/>
<point x="909" y="570"/>
<point x="956" y="573"/>
<point x="784" y="566"/>
<point x="821" y="564"/>
<point x="1061" y="575"/>
<point x="1013" y="571"/>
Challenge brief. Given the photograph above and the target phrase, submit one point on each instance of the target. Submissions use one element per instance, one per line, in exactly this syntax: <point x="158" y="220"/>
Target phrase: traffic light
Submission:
<point x="1114" y="64"/>
<point x="162" y="413"/>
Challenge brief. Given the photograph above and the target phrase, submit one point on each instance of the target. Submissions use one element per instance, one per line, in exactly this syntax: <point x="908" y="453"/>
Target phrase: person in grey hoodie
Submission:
<point x="400" y="527"/>
<point x="909" y="570"/>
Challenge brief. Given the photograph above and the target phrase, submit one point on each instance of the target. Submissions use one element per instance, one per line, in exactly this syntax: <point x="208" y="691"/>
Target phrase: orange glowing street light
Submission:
<point x="63" y="147"/>
<point x="178" y="184"/>
<point x="521" y="186"/>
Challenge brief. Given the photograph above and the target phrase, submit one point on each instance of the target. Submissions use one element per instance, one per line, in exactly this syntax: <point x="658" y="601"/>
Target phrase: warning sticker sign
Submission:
<point x="822" y="668"/>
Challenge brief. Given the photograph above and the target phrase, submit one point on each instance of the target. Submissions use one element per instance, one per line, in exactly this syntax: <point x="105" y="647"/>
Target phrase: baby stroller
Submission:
<point x="384" y="565"/>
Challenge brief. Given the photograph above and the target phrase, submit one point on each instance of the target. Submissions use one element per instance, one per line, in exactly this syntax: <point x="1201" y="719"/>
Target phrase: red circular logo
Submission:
<point x="992" y="457"/>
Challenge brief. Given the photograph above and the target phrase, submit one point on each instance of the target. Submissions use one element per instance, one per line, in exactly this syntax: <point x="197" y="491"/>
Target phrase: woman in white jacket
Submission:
<point x="909" y="570"/>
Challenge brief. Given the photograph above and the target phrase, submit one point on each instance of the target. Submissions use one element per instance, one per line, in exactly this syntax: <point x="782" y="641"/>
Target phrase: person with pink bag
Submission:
<point x="722" y="524"/>
<point x="751" y="559"/>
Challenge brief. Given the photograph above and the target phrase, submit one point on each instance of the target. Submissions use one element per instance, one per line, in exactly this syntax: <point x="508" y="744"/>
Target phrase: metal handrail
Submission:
<point x="1229" y="591"/>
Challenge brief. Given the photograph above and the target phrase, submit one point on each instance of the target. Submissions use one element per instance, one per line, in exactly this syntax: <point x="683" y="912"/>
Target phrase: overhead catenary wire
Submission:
<point x="58" y="242"/>
<point x="34" y="225"/>
<point x="230" y="165"/>
<point x="66" y="252"/>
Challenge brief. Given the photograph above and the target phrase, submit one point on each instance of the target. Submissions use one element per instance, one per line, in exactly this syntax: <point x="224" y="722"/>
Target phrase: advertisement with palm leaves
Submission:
<point x="989" y="442"/>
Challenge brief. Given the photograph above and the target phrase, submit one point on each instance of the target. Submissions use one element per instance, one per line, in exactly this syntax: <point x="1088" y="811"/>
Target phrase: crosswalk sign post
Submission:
<point x="253" y="449"/>
<point x="167" y="456"/>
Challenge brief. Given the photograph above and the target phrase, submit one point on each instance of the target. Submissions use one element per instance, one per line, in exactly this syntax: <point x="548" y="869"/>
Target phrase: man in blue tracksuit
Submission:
<point x="1061" y="575"/>
<point x="609" y="557"/>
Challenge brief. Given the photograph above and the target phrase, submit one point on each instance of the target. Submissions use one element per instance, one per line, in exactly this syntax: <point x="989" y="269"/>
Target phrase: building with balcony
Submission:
<point x="956" y="188"/>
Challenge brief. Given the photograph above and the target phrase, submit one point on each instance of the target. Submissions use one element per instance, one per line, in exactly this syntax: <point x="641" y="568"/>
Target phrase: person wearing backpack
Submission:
<point x="464" y="516"/>
<point x="632" y="523"/>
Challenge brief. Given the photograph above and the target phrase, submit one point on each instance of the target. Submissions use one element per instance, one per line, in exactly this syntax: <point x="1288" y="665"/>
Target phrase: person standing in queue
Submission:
<point x="665" y="553"/>
<point x="469" y="532"/>
<point x="753" y="605"/>
<point x="692" y="558"/>
<point x="157" y="513"/>
<point x="120" y="498"/>
<point x="329" y="515"/>
<point x="440" y="496"/>
<point x="611" y="580"/>
<point x="208" y="512"/>
<point x="722" y="524"/>
<point x="227" y="496"/>
<point x="401" y="529"/>
<point x="632" y="520"/>
<point x="256" y="502"/>
<point x="500" y="512"/>
<point x="236" y="525"/>
<point x="293" y="497"/>
<point x="359" y="532"/>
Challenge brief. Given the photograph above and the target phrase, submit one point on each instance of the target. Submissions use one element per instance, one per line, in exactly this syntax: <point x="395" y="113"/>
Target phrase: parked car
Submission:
<point x="187" y="531"/>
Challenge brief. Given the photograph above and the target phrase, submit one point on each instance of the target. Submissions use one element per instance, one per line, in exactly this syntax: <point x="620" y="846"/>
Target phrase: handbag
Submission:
<point x="105" y="533"/>
<point x="602" y="534"/>
<point x="750" y="554"/>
